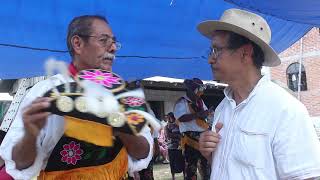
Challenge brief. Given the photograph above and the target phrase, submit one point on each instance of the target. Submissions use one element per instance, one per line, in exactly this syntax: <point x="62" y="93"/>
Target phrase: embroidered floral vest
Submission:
<point x="88" y="150"/>
<point x="76" y="159"/>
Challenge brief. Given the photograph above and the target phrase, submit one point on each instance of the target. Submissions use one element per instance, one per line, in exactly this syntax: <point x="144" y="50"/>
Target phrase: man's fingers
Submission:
<point x="42" y="99"/>
<point x="209" y="144"/>
<point x="209" y="141"/>
<point x="214" y="139"/>
<point x="36" y="107"/>
<point x="39" y="117"/>
<point x="209" y="134"/>
<point x="34" y="118"/>
<point x="38" y="120"/>
<point x="207" y="150"/>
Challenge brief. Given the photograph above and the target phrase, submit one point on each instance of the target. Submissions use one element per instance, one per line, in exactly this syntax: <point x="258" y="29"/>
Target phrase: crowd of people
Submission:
<point x="257" y="132"/>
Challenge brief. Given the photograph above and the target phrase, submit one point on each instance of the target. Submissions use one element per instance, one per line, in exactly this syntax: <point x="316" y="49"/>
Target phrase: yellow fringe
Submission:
<point x="185" y="140"/>
<point x="89" y="131"/>
<point x="115" y="170"/>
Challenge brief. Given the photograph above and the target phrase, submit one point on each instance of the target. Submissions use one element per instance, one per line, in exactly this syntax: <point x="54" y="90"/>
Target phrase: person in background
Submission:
<point x="147" y="173"/>
<point x="162" y="140"/>
<point x="191" y="113"/>
<point x="3" y="174"/>
<point x="174" y="147"/>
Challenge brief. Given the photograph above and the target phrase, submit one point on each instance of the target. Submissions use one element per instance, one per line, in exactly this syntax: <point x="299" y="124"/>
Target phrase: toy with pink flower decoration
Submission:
<point x="99" y="96"/>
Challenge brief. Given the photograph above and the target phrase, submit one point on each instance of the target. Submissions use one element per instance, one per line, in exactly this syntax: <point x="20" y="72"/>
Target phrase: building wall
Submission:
<point x="212" y="97"/>
<point x="168" y="106"/>
<point x="311" y="62"/>
<point x="168" y="98"/>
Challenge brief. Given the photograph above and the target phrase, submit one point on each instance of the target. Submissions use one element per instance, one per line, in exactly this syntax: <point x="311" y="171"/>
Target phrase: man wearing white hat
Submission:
<point x="266" y="134"/>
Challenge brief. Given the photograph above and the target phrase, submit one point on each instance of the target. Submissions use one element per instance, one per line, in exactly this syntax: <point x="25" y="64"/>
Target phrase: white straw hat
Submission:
<point x="247" y="24"/>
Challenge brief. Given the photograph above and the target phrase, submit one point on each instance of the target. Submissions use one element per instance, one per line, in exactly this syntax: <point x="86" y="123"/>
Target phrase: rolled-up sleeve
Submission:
<point x="138" y="165"/>
<point x="296" y="146"/>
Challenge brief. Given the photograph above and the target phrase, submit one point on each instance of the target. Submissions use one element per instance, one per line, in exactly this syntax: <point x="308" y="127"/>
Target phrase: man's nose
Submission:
<point x="112" y="48"/>
<point x="212" y="60"/>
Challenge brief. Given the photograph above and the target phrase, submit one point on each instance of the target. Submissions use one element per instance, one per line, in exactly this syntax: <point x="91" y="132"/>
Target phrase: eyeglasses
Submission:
<point x="215" y="52"/>
<point x="105" y="40"/>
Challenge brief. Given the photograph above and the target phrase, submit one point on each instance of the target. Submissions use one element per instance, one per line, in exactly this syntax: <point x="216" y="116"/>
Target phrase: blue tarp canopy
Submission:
<point x="158" y="37"/>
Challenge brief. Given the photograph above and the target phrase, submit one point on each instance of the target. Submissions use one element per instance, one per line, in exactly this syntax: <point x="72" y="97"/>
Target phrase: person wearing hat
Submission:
<point x="265" y="132"/>
<point x="191" y="112"/>
<point x="37" y="141"/>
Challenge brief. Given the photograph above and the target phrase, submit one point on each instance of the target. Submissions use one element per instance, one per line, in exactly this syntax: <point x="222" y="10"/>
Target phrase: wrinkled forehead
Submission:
<point x="100" y="27"/>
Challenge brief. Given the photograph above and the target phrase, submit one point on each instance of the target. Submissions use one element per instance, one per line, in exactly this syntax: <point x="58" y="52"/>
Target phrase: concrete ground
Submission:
<point x="162" y="172"/>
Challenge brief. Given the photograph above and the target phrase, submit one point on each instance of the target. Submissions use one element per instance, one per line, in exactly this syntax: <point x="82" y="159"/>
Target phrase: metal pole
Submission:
<point x="300" y="65"/>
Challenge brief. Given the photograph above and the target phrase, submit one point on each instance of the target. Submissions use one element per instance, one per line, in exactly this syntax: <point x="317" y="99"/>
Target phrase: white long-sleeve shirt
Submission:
<point x="268" y="136"/>
<point x="49" y="136"/>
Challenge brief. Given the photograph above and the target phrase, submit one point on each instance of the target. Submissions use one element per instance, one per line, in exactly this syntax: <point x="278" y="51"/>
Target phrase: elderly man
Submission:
<point x="36" y="141"/>
<point x="267" y="133"/>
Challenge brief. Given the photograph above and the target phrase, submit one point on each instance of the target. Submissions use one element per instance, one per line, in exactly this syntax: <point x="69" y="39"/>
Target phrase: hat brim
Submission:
<point x="206" y="28"/>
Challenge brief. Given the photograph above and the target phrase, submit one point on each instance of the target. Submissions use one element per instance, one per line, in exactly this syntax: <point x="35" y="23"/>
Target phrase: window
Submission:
<point x="293" y="77"/>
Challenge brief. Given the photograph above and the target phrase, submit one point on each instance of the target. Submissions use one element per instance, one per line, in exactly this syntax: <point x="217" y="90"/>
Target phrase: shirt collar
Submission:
<point x="72" y="70"/>
<point x="229" y="93"/>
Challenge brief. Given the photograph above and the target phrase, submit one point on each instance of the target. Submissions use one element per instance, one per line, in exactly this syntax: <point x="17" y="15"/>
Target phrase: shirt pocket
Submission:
<point x="251" y="148"/>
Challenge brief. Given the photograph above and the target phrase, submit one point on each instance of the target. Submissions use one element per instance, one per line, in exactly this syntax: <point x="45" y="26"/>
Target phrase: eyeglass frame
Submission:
<point x="215" y="52"/>
<point x="104" y="43"/>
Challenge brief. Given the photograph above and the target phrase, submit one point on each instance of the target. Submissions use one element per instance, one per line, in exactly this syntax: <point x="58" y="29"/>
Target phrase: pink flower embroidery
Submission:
<point x="71" y="153"/>
<point x="106" y="79"/>
<point x="133" y="101"/>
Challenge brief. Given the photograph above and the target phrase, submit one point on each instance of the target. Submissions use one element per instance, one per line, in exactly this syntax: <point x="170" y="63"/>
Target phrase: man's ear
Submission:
<point x="77" y="44"/>
<point x="246" y="53"/>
